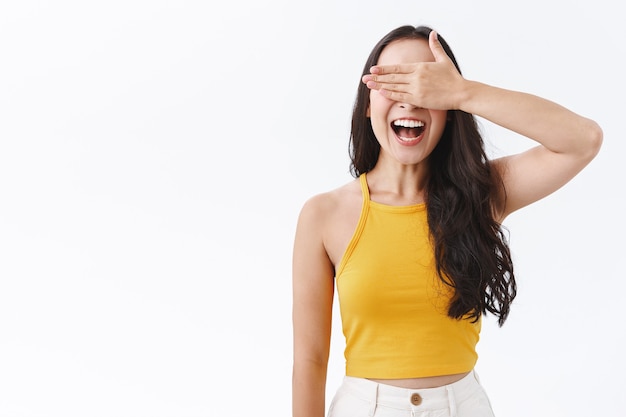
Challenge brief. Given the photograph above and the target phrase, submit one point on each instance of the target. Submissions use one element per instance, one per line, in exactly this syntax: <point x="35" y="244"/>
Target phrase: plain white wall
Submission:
<point x="154" y="156"/>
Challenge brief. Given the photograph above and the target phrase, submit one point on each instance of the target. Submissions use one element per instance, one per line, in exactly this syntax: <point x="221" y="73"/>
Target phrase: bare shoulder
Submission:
<point x="331" y="217"/>
<point x="323" y="206"/>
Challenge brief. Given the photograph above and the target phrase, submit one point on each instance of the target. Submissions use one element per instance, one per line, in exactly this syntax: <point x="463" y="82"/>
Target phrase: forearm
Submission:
<point x="552" y="125"/>
<point x="308" y="389"/>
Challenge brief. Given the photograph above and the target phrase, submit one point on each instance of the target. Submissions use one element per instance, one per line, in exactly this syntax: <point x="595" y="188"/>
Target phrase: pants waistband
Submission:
<point x="446" y="396"/>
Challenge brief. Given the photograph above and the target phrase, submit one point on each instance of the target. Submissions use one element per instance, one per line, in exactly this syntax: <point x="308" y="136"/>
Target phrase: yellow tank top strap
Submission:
<point x="360" y="226"/>
<point x="364" y="188"/>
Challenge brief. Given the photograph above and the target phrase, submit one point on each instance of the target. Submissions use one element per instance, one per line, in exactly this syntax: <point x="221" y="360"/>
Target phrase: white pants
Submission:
<point x="359" y="397"/>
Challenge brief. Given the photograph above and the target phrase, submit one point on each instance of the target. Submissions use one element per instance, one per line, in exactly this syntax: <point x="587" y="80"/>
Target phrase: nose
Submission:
<point x="409" y="106"/>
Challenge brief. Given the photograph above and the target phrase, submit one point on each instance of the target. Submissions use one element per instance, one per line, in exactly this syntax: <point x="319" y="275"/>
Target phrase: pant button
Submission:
<point x="416" y="399"/>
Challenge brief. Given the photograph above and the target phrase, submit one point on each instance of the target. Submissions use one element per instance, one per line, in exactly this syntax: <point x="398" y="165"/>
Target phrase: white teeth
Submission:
<point x="408" y="123"/>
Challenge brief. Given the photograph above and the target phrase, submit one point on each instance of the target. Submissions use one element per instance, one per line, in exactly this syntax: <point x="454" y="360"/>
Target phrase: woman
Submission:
<point x="414" y="243"/>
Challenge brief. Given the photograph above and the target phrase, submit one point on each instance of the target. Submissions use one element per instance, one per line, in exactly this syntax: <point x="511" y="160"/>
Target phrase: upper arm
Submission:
<point x="538" y="172"/>
<point x="313" y="286"/>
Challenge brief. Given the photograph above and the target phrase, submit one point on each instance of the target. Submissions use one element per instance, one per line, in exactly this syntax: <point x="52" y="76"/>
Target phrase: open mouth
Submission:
<point x="408" y="129"/>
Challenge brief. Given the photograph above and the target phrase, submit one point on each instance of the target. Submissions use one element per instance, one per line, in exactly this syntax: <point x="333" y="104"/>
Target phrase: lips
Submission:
<point x="408" y="130"/>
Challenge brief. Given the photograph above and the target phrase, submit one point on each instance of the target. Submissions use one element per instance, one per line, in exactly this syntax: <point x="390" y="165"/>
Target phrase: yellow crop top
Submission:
<point x="393" y="305"/>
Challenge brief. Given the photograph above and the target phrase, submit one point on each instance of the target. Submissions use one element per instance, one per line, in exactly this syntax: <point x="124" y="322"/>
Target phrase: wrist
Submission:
<point x="467" y="93"/>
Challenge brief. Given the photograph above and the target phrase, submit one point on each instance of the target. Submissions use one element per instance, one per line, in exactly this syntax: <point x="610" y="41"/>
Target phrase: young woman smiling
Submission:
<point x="414" y="245"/>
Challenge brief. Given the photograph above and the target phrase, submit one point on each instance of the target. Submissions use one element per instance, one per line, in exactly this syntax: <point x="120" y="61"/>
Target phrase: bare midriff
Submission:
<point x="421" y="383"/>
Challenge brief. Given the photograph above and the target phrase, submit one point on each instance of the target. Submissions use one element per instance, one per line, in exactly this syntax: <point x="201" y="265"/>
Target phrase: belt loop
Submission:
<point x="451" y="400"/>
<point x="373" y="400"/>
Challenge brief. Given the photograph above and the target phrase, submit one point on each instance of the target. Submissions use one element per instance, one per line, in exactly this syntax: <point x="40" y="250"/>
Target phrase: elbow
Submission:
<point x="596" y="137"/>
<point x="593" y="140"/>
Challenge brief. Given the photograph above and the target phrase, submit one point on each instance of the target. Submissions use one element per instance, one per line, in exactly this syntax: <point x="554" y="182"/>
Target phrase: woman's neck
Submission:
<point x="398" y="185"/>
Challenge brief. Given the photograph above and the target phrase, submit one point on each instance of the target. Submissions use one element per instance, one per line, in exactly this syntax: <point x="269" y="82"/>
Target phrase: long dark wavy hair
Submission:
<point x="471" y="251"/>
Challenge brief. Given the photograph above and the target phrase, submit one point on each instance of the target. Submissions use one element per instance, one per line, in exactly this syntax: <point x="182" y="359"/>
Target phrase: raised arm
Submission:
<point x="567" y="142"/>
<point x="313" y="289"/>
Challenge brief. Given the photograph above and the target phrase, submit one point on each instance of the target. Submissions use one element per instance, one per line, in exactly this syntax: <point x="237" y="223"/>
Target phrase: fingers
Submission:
<point x="391" y="69"/>
<point x="388" y="82"/>
<point x="436" y="48"/>
<point x="395" y="95"/>
<point x="370" y="83"/>
<point x="392" y="91"/>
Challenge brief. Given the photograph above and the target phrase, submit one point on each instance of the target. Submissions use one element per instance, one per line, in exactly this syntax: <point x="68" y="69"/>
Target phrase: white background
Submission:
<point x="154" y="156"/>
